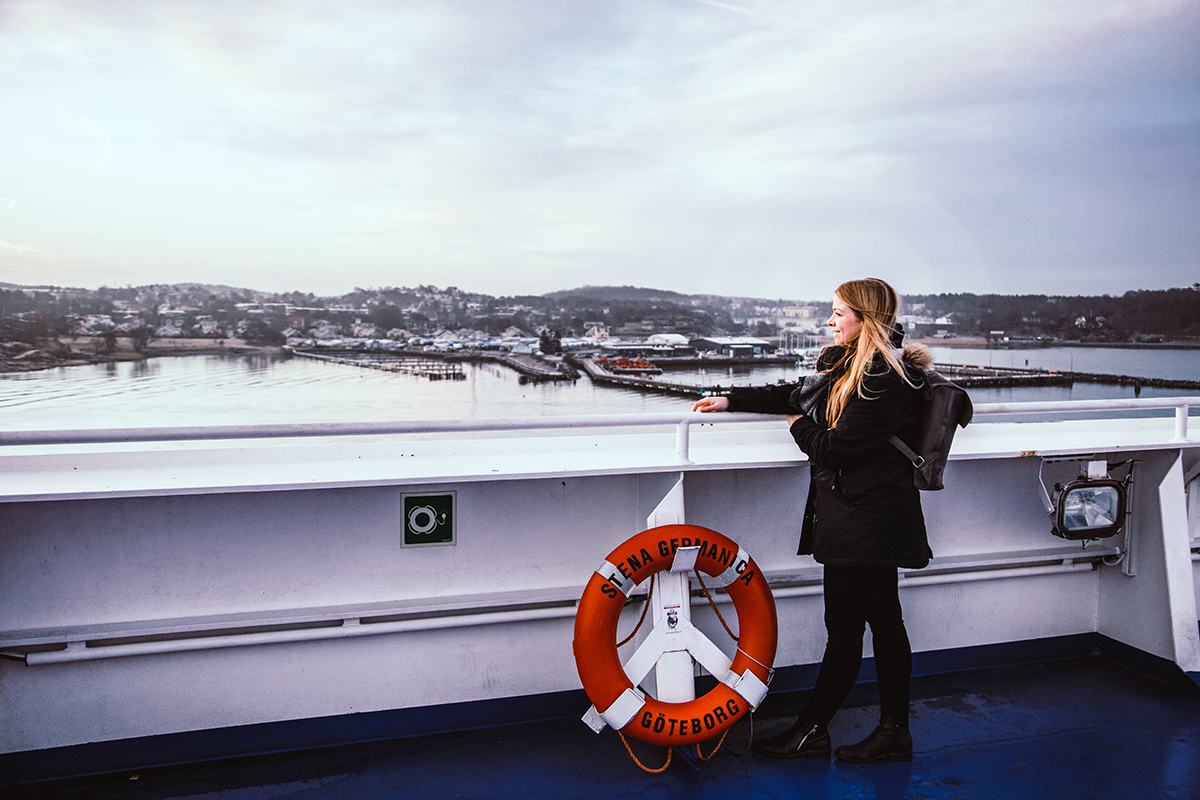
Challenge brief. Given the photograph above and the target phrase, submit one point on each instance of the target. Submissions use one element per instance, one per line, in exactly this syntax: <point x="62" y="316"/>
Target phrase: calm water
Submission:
<point x="227" y="390"/>
<point x="1143" y="363"/>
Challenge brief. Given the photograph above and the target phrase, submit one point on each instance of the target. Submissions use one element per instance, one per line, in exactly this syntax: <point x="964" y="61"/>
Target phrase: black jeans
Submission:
<point x="854" y="598"/>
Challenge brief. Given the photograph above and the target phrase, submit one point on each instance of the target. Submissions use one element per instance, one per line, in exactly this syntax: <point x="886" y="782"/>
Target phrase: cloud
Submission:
<point x="24" y="249"/>
<point x="762" y="147"/>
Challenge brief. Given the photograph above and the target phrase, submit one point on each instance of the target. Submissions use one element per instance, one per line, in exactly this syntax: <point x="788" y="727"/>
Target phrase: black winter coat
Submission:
<point x="863" y="509"/>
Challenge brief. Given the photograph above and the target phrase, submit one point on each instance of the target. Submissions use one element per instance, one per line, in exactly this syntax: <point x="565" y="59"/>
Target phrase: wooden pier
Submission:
<point x="432" y="368"/>
<point x="531" y="368"/>
<point x="600" y="375"/>
<point x="441" y="366"/>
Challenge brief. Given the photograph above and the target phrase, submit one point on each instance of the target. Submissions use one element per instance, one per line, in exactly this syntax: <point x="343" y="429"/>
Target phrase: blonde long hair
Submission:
<point x="875" y="303"/>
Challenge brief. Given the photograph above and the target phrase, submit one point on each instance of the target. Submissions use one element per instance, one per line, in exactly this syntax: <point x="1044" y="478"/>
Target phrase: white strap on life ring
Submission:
<point x="685" y="559"/>
<point x="614" y="576"/>
<point x="619" y="714"/>
<point x="747" y="685"/>
<point x="731" y="573"/>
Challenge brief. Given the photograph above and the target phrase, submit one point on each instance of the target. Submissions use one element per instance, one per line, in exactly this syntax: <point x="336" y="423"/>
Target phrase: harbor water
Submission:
<point x="1141" y="362"/>
<point x="236" y="390"/>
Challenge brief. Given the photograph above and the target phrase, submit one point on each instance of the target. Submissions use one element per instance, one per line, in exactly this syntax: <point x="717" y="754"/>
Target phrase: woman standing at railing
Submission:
<point x="863" y="517"/>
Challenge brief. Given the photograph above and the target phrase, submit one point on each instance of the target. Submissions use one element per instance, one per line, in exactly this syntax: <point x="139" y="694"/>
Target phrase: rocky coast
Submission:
<point x="73" y="351"/>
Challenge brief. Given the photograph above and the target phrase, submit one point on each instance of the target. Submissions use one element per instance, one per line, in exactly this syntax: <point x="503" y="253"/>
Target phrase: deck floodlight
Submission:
<point x="1090" y="507"/>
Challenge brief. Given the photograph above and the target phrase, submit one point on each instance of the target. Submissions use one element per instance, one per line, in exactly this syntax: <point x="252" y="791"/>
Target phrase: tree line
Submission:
<point x="1168" y="314"/>
<point x="1171" y="314"/>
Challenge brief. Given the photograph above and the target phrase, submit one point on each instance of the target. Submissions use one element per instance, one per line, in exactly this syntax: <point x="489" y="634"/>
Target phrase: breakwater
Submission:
<point x="1011" y="377"/>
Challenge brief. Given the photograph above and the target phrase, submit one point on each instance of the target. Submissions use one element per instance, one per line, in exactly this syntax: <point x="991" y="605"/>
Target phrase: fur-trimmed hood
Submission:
<point x="913" y="356"/>
<point x="917" y="356"/>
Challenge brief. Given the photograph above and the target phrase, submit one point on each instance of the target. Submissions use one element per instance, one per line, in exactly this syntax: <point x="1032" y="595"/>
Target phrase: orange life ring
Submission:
<point x="617" y="701"/>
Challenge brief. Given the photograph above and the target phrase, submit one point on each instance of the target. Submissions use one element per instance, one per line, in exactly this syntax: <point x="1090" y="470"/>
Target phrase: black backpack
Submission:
<point x="940" y="405"/>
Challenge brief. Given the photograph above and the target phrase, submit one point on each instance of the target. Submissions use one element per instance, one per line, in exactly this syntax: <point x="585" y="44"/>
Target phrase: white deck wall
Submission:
<point x="108" y="540"/>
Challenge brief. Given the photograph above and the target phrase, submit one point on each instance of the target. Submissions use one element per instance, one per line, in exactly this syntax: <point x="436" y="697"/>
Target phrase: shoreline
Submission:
<point x="980" y="343"/>
<point x="80" y="351"/>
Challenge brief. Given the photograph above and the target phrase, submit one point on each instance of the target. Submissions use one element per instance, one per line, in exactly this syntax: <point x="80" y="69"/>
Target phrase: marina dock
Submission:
<point x="439" y="366"/>
<point x="600" y="375"/>
<point x="410" y="364"/>
<point x="531" y="368"/>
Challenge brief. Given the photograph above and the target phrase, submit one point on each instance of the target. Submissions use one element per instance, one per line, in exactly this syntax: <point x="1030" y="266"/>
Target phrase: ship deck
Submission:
<point x="1075" y="728"/>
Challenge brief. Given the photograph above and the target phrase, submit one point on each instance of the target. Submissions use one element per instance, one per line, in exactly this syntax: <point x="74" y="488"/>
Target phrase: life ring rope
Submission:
<point x="713" y="603"/>
<point x="642" y="618"/>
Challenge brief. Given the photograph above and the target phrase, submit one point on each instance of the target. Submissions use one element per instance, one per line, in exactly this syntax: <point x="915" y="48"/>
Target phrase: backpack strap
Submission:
<point x="915" y="458"/>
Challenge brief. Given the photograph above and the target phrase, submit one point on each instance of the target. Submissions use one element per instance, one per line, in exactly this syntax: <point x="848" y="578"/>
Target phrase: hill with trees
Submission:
<point x="28" y="313"/>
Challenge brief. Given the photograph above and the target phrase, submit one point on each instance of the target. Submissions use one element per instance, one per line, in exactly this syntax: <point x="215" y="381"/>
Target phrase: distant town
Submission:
<point x="41" y="325"/>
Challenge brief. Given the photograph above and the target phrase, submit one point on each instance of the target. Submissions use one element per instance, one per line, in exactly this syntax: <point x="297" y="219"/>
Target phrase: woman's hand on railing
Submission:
<point x="707" y="404"/>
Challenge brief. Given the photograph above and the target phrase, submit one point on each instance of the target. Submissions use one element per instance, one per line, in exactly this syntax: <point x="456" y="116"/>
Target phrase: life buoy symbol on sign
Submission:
<point x="424" y="519"/>
<point x="612" y="687"/>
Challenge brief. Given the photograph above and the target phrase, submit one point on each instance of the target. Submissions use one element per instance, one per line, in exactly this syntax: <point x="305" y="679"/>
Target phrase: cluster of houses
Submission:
<point x="326" y="334"/>
<point x="516" y="341"/>
<point x="172" y="325"/>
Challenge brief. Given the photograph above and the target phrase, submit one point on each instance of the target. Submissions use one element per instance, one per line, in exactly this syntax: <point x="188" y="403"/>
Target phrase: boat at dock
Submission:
<point x="185" y="595"/>
<point x="624" y="365"/>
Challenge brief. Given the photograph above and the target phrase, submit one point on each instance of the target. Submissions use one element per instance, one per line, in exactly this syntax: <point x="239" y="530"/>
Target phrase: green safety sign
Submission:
<point x="428" y="518"/>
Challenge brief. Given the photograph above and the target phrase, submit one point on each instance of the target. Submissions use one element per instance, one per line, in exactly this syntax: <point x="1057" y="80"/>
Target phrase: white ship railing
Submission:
<point x="681" y="420"/>
<point x="315" y="624"/>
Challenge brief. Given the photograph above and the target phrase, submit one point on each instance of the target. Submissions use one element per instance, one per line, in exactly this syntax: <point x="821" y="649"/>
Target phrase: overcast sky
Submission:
<point x="754" y="148"/>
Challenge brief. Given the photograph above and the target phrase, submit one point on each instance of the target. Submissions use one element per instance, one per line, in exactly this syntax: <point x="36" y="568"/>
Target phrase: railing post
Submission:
<point x="1181" y="420"/>
<point x="682" y="433"/>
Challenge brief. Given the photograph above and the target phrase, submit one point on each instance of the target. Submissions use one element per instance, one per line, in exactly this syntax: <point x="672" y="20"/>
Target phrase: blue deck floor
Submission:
<point x="1082" y="728"/>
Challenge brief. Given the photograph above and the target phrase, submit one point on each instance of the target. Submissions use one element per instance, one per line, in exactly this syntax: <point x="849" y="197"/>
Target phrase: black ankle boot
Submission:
<point x="891" y="740"/>
<point x="804" y="739"/>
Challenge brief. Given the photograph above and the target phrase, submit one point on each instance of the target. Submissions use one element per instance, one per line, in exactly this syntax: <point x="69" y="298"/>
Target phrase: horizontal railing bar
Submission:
<point x="300" y="635"/>
<point x="337" y="429"/>
<point x="1070" y="406"/>
<point x="303" y="430"/>
<point x="912" y="580"/>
